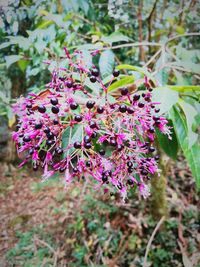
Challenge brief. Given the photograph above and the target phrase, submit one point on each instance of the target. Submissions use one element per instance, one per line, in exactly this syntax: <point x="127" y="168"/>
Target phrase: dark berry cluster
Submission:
<point x="69" y="130"/>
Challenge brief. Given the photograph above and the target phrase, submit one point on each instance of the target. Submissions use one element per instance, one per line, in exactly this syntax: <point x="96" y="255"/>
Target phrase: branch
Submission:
<point x="151" y="240"/>
<point x="182" y="35"/>
<point x="139" y="16"/>
<point x="150" y="19"/>
<point x="152" y="58"/>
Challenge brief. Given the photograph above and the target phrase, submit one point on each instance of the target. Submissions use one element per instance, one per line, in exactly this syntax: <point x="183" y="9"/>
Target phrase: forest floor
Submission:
<point x="42" y="224"/>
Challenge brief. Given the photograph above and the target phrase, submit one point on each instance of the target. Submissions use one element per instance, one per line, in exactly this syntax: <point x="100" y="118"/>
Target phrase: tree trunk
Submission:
<point x="159" y="206"/>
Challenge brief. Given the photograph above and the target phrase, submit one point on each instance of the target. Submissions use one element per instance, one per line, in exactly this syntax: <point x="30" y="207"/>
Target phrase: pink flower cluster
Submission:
<point x="76" y="127"/>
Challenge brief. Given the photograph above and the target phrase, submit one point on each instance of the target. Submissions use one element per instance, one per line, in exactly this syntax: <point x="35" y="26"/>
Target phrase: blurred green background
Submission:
<point x="43" y="225"/>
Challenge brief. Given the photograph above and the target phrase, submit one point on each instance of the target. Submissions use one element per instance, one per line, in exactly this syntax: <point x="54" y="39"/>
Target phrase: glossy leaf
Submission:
<point x="184" y="88"/>
<point x="166" y="97"/>
<point x="12" y="59"/>
<point x="106" y="63"/>
<point x="69" y="138"/>
<point x="115" y="37"/>
<point x="170" y="147"/>
<point x="190" y="114"/>
<point x="23" y="64"/>
<point x="192" y="154"/>
<point x="120" y="83"/>
<point x="137" y="69"/>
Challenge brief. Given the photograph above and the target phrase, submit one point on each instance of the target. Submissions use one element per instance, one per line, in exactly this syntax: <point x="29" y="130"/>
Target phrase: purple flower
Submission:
<point x="111" y="140"/>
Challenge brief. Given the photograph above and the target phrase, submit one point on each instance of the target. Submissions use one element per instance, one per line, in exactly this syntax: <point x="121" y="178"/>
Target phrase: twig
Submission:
<point x="152" y="58"/>
<point x="150" y="20"/>
<point x="151" y="240"/>
<point x="182" y="35"/>
<point x="84" y="19"/>
<point x="148" y="43"/>
<point x="139" y="17"/>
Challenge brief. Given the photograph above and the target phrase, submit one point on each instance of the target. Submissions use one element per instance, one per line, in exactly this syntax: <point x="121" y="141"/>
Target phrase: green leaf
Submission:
<point x="4" y="45"/>
<point x="190" y="114"/>
<point x="166" y="97"/>
<point x="137" y="69"/>
<point x="115" y="37"/>
<point x="76" y="135"/>
<point x="106" y="63"/>
<point x="120" y="83"/>
<point x="44" y="24"/>
<point x="12" y="59"/>
<point x="23" y="64"/>
<point x="95" y="87"/>
<point x="184" y="88"/>
<point x="192" y="154"/>
<point x="170" y="147"/>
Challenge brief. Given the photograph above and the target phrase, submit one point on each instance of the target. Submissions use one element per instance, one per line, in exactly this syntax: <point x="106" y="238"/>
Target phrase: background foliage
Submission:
<point x="157" y="38"/>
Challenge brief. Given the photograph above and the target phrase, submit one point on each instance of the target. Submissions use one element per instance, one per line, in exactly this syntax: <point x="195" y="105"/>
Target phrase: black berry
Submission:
<point x="122" y="108"/>
<point x="26" y="138"/>
<point x="78" y="118"/>
<point x="87" y="139"/>
<point x="124" y="91"/>
<point x="93" y="124"/>
<point x="59" y="150"/>
<point x="31" y="151"/>
<point x="102" y="152"/>
<point x="130" y="182"/>
<point x="90" y="104"/>
<point x="151" y="130"/>
<point x="73" y="106"/>
<point x="136" y="97"/>
<point x="88" y="164"/>
<point x="95" y="72"/>
<point x="130" y="110"/>
<point x="94" y="134"/>
<point x="69" y="84"/>
<point x="93" y="79"/>
<point x="151" y="149"/>
<point x="129" y="164"/>
<point x="144" y="172"/>
<point x="38" y="126"/>
<point x="87" y="145"/>
<point x="77" y="145"/>
<point x="100" y="110"/>
<point x="47" y="130"/>
<point x="55" y="122"/>
<point x="41" y="109"/>
<point x="55" y="110"/>
<point x="29" y="105"/>
<point x="50" y="135"/>
<point x="54" y="101"/>
<point x="120" y="148"/>
<point x="49" y="142"/>
<point x="140" y="105"/>
<point x="116" y="73"/>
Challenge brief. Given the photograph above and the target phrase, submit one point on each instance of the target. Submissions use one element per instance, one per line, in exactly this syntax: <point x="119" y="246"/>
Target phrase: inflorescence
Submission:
<point x="86" y="133"/>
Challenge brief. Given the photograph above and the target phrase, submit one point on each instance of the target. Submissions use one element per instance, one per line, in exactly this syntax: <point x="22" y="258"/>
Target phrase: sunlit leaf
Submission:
<point x="122" y="82"/>
<point x="115" y="37"/>
<point x="166" y="97"/>
<point x="138" y="69"/>
<point x="192" y="154"/>
<point x="12" y="59"/>
<point x="106" y="63"/>
<point x="170" y="147"/>
<point x="184" y="88"/>
<point x="190" y="114"/>
<point x="23" y="64"/>
<point x="71" y="135"/>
